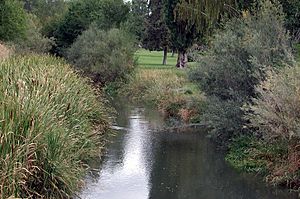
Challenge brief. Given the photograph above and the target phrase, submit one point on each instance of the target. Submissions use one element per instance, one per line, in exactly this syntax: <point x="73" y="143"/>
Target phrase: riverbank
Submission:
<point x="165" y="87"/>
<point x="278" y="159"/>
<point x="170" y="90"/>
<point x="143" y="162"/>
<point x="51" y="124"/>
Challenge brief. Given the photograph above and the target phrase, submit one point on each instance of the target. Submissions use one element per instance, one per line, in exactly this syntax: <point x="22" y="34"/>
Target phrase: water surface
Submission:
<point x="143" y="163"/>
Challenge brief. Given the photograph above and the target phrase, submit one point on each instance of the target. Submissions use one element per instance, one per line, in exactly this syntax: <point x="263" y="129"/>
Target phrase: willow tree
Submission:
<point x="190" y="19"/>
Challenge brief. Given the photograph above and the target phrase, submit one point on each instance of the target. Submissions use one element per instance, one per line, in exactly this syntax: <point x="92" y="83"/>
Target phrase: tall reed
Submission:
<point x="51" y="122"/>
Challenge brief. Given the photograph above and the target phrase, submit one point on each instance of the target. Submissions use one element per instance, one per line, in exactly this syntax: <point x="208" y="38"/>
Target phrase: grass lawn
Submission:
<point x="153" y="59"/>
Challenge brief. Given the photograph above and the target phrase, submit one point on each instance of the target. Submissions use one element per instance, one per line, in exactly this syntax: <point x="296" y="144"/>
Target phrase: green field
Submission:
<point x="153" y="59"/>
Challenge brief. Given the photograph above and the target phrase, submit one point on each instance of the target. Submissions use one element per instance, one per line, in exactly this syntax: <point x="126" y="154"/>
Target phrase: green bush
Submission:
<point x="237" y="61"/>
<point x="224" y="118"/>
<point x="12" y="20"/>
<point x="34" y="41"/>
<point x="107" y="55"/>
<point x="50" y="122"/>
<point x="82" y="13"/>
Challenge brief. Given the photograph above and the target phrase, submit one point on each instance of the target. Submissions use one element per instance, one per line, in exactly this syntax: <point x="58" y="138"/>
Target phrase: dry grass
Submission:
<point x="4" y="51"/>
<point x="167" y="89"/>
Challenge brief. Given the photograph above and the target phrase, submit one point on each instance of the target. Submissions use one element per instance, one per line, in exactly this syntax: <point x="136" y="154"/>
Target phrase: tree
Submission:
<point x="137" y="18"/>
<point x="81" y="14"/>
<point x="189" y="19"/>
<point x="105" y="55"/>
<point x="12" y="20"/>
<point x="291" y="9"/>
<point x="156" y="33"/>
<point x="46" y="10"/>
<point x="237" y="61"/>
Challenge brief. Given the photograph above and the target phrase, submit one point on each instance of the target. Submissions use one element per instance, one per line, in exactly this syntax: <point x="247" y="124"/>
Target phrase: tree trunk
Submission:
<point x="165" y="56"/>
<point x="182" y="59"/>
<point x="173" y="53"/>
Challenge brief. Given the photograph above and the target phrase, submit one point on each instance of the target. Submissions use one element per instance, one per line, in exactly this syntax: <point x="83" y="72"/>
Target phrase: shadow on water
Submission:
<point x="143" y="163"/>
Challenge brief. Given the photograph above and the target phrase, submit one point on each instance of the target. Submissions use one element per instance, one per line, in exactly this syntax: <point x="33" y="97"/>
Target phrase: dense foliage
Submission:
<point x="291" y="9"/>
<point x="276" y="112"/>
<point x="48" y="116"/>
<point x="237" y="61"/>
<point x="49" y="13"/>
<point x="81" y="14"/>
<point x="275" y="117"/>
<point x="107" y="55"/>
<point x="33" y="41"/>
<point x="156" y="33"/>
<point x="136" y="21"/>
<point x="186" y="22"/>
<point x="12" y="20"/>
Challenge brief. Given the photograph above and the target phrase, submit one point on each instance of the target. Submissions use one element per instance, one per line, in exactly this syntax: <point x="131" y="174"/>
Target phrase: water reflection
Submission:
<point x="188" y="166"/>
<point x="124" y="171"/>
<point x="142" y="163"/>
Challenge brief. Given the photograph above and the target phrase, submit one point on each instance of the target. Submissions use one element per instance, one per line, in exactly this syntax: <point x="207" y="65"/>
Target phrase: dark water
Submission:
<point x="143" y="163"/>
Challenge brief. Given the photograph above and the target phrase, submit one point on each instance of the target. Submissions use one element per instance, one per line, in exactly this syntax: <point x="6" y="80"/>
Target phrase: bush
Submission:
<point x="34" y="41"/>
<point x="223" y="118"/>
<point x="275" y="116"/>
<point x="12" y="20"/>
<point x="238" y="59"/>
<point x="48" y="119"/>
<point x="107" y="55"/>
<point x="106" y="14"/>
<point x="276" y="113"/>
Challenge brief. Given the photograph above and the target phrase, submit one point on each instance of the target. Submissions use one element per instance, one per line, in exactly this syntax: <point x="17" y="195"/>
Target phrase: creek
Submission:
<point x="143" y="163"/>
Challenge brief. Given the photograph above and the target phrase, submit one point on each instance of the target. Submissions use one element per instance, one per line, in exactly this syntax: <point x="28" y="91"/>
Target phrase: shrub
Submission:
<point x="238" y="59"/>
<point x="275" y="115"/>
<point x="34" y="41"/>
<point x="223" y="118"/>
<point x="276" y="112"/>
<point x="50" y="122"/>
<point x="12" y="20"/>
<point x="108" y="55"/>
<point x="106" y="14"/>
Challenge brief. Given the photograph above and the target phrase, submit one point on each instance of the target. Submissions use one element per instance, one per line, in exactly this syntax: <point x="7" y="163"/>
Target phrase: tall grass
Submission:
<point x="167" y="89"/>
<point x="51" y="122"/>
